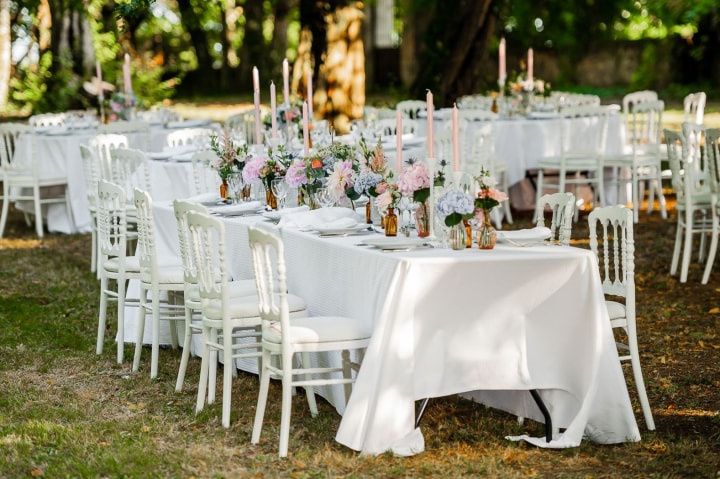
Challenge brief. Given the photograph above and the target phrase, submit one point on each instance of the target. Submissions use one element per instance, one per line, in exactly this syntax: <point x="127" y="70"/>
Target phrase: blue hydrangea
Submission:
<point x="366" y="180"/>
<point x="455" y="201"/>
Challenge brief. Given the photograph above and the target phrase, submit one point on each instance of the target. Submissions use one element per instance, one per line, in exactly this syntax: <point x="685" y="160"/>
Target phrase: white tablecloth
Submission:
<point x="492" y="324"/>
<point x="58" y="156"/>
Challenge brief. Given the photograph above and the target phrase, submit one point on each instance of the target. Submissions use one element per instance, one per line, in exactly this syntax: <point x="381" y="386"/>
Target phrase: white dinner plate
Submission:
<point x="390" y="243"/>
<point x="340" y="231"/>
<point x="160" y="155"/>
<point x="230" y="212"/>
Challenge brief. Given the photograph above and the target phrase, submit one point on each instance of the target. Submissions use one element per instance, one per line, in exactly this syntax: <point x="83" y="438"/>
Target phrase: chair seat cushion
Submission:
<point x="247" y="307"/>
<point x="166" y="274"/>
<point x="615" y="310"/>
<point x="132" y="264"/>
<point x="245" y="287"/>
<point x="320" y="329"/>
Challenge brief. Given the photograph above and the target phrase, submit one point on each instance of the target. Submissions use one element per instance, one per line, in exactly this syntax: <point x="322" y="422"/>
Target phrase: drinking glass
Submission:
<point x="236" y="184"/>
<point x="324" y="197"/>
<point x="280" y="189"/>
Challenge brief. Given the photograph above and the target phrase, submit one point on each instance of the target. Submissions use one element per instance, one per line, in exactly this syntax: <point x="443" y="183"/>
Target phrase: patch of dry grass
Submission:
<point x="66" y="412"/>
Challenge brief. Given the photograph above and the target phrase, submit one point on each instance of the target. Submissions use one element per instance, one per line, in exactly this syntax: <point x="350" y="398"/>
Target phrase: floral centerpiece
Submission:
<point x="230" y="159"/>
<point x="487" y="198"/>
<point x="388" y="196"/>
<point x="320" y="165"/>
<point x="523" y="91"/>
<point x="373" y="170"/>
<point x="266" y="168"/>
<point x="455" y="207"/>
<point x="122" y="106"/>
<point x="414" y="183"/>
<point x="286" y="115"/>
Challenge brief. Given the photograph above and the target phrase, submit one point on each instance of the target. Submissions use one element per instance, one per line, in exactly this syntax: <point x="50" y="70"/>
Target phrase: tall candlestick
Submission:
<point x="430" y="107"/>
<point x="127" y="82"/>
<point x="306" y="136"/>
<point x="256" y="101"/>
<point x="286" y="82"/>
<point x="530" y="65"/>
<point x="399" y="142"/>
<point x="455" y="139"/>
<point x="273" y="110"/>
<point x="308" y="79"/>
<point x="502" y="72"/>
<point x="256" y="78"/>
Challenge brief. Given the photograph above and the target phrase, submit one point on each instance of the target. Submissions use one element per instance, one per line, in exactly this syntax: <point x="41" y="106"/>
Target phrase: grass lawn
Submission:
<point x="65" y="412"/>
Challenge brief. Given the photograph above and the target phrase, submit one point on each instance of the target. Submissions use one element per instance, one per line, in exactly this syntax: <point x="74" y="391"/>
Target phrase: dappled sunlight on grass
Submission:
<point x="22" y="243"/>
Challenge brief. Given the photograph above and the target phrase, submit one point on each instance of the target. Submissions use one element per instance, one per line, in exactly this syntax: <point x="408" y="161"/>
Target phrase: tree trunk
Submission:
<point x="198" y="37"/>
<point x="5" y="59"/>
<point x="253" y="51"/>
<point x="278" y="48"/>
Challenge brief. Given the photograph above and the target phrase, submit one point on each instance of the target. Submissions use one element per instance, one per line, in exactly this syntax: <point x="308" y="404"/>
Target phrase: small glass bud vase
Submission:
<point x="246" y="193"/>
<point x="468" y="234"/>
<point x="487" y="236"/>
<point x="270" y="198"/>
<point x="224" y="190"/>
<point x="391" y="222"/>
<point x="456" y="236"/>
<point x="368" y="212"/>
<point x="422" y="220"/>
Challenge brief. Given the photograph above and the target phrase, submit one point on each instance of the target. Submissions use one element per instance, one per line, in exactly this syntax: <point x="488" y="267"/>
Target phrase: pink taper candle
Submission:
<point x="502" y="72"/>
<point x="309" y="93"/>
<point x="273" y="110"/>
<point x="455" y="139"/>
<point x="430" y="107"/>
<point x="127" y="82"/>
<point x="399" y="142"/>
<point x="286" y="82"/>
<point x="256" y="98"/>
<point x="306" y="135"/>
<point x="98" y="74"/>
<point x="530" y="61"/>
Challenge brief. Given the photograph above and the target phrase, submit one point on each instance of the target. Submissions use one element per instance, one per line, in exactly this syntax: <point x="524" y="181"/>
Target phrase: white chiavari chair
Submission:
<point x="201" y="172"/>
<point x="562" y="206"/>
<point x="694" y="108"/>
<point x="193" y="304"/>
<point x="157" y="281"/>
<point x="223" y="314"/>
<point x="580" y="161"/>
<point x="619" y="280"/>
<point x="128" y="168"/>
<point x="198" y="137"/>
<point x="411" y="109"/>
<point x="712" y="145"/>
<point x="92" y="175"/>
<point x="104" y="143"/>
<point x="113" y="263"/>
<point x="140" y="131"/>
<point x="242" y="125"/>
<point x="284" y="338"/>
<point x="643" y="157"/>
<point x="16" y="180"/>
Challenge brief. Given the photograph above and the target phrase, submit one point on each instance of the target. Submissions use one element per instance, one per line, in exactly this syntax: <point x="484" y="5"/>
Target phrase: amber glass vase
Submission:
<point x="368" y="212"/>
<point x="487" y="236"/>
<point x="422" y="220"/>
<point x="224" y="190"/>
<point x="270" y="198"/>
<point x="391" y="223"/>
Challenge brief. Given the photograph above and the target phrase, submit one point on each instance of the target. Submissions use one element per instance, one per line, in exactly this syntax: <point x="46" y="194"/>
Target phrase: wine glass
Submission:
<point x="280" y="189"/>
<point x="324" y="197"/>
<point x="236" y="184"/>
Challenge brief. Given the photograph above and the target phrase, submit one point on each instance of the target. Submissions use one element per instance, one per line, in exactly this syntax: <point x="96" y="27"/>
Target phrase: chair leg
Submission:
<point x="93" y="251"/>
<point x="173" y="323"/>
<point x="212" y="367"/>
<point x="102" y="317"/>
<point x="678" y="246"/>
<point x="347" y="374"/>
<point x="28" y="220"/>
<point x="661" y="195"/>
<point x="203" y="382"/>
<point x="637" y="373"/>
<point x="506" y="205"/>
<point x="154" y="357"/>
<point x="713" y="245"/>
<point x="5" y="207"/>
<point x="227" y="377"/>
<point x="687" y="250"/>
<point x="309" y="390"/>
<point x="538" y="194"/>
<point x="38" y="212"/>
<point x="601" y="186"/>
<point x="185" y="352"/>
<point x="141" y="329"/>
<point x="635" y="196"/>
<point x="121" y="319"/>
<point x="651" y="197"/>
<point x="286" y="405"/>
<point x="262" y="398"/>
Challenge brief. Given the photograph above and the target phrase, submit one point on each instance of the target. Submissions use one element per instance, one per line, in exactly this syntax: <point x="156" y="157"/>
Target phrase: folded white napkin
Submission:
<point x="236" y="208"/>
<point x="204" y="198"/>
<point x="334" y="217"/>
<point x="539" y="233"/>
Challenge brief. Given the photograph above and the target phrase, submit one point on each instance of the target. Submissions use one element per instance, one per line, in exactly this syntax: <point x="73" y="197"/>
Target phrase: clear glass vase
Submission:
<point x="456" y="236"/>
<point x="487" y="236"/>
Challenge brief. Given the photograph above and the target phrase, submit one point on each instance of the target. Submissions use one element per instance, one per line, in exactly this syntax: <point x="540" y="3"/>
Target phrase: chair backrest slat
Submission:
<point x="199" y="137"/>
<point x="187" y="252"/>
<point x="617" y="227"/>
<point x="562" y="206"/>
<point x="207" y="236"/>
<point x="146" y="235"/>
<point x="111" y="219"/>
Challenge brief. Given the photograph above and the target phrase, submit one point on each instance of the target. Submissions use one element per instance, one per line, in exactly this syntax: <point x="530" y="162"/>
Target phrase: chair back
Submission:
<point x="583" y="132"/>
<point x="187" y="252"/>
<point x="712" y="146"/>
<point x="645" y="126"/>
<point x="268" y="254"/>
<point x="199" y="137"/>
<point x="618" y="250"/>
<point x="104" y="143"/>
<point x="694" y="108"/>
<point x="694" y="154"/>
<point x="111" y="219"/>
<point x="47" y="119"/>
<point x="632" y="99"/>
<point x="482" y="148"/>
<point x="411" y="109"/>
<point x="444" y="145"/>
<point x="207" y="235"/>
<point x="129" y="169"/>
<point x="200" y="162"/>
<point x="9" y="134"/>
<point x="677" y="153"/>
<point x="562" y="206"/>
<point x="146" y="235"/>
<point x="91" y="173"/>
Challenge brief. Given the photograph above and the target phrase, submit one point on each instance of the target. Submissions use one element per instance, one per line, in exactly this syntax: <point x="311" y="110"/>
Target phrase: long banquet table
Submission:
<point x="489" y="324"/>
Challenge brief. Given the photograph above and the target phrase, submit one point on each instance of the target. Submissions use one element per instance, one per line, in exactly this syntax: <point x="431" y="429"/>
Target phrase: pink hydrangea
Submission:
<point x="415" y="177"/>
<point x="253" y="167"/>
<point x="340" y="178"/>
<point x="295" y="176"/>
<point x="384" y="200"/>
